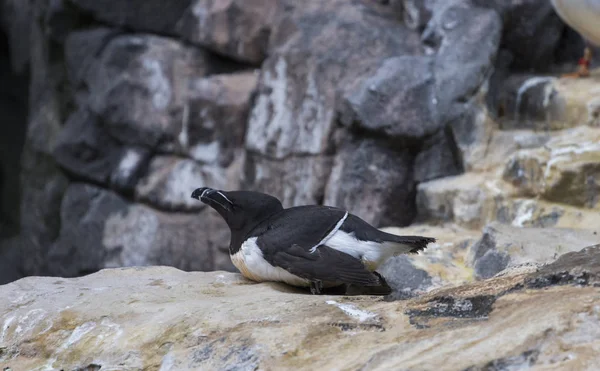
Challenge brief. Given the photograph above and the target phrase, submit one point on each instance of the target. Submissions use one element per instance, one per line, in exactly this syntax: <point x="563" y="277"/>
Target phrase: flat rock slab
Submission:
<point x="164" y="319"/>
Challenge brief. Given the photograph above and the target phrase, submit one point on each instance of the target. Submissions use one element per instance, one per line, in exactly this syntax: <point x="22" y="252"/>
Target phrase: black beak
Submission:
<point x="201" y="192"/>
<point x="212" y="197"/>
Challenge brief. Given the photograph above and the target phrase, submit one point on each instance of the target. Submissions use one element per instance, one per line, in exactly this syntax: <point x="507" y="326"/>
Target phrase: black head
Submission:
<point x="241" y="210"/>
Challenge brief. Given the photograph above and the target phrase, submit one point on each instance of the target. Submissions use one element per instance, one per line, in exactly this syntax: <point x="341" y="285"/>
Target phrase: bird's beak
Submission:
<point x="212" y="197"/>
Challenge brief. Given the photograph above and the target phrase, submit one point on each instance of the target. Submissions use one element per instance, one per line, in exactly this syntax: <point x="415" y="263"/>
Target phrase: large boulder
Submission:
<point x="137" y="85"/>
<point x="163" y="318"/>
<point x="374" y="180"/>
<point x="318" y="49"/>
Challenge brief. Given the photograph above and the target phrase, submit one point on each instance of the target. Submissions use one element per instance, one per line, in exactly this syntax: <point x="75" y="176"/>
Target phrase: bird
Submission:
<point x="584" y="17"/>
<point x="308" y="246"/>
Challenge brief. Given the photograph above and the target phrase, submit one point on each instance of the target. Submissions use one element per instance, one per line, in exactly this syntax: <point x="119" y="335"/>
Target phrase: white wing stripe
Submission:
<point x="331" y="233"/>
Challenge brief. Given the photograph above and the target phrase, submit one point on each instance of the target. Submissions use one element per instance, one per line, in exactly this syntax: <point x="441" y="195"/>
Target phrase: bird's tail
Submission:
<point x="407" y="244"/>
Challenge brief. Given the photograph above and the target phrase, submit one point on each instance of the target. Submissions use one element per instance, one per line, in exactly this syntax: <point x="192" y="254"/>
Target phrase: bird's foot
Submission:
<point x="583" y="69"/>
<point x="316" y="287"/>
<point x="581" y="72"/>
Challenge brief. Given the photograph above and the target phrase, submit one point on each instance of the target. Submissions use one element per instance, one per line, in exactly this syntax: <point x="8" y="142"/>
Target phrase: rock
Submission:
<point x="464" y="52"/>
<point x="415" y="13"/>
<point x="576" y="267"/>
<point x="318" y="49"/>
<point x="13" y="110"/>
<point x="565" y="170"/>
<point x="236" y="28"/>
<point x="85" y="150"/>
<point x="16" y="21"/>
<point x="138" y="84"/>
<point x="546" y="102"/>
<point x="531" y="33"/>
<point x="171" y="180"/>
<point x="441" y="264"/>
<point x="160" y="317"/>
<point x="215" y="123"/>
<point x="146" y="16"/>
<point x="468" y="199"/>
<point x="439" y="157"/>
<point x="282" y="178"/>
<point x="42" y="181"/>
<point x="395" y="101"/>
<point x="503" y="246"/>
<point x="100" y="229"/>
<point x="384" y="202"/>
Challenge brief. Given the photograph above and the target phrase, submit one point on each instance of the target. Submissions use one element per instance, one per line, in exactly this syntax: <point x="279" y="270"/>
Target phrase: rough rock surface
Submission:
<point x="163" y="318"/>
<point x="503" y="246"/>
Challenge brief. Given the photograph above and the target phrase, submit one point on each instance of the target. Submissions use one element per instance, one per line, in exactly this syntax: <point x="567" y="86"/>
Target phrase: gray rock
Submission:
<point x="374" y="181"/>
<point x="318" y="48"/>
<point x="395" y="101"/>
<point x="170" y="181"/>
<point x="154" y="16"/>
<point x="239" y="29"/>
<point x="138" y="86"/>
<point x="85" y="150"/>
<point x="503" y="246"/>
<point x="42" y="181"/>
<point x="16" y="18"/>
<point x="531" y="32"/>
<point x="404" y="278"/>
<point x="215" y="123"/>
<point x="416" y="13"/>
<point x="100" y="229"/>
<point x="467" y="39"/>
<point x="439" y="157"/>
<point x="294" y="180"/>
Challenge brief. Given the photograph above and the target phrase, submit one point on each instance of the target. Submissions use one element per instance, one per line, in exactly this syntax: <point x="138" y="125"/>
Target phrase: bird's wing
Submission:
<point x="294" y="242"/>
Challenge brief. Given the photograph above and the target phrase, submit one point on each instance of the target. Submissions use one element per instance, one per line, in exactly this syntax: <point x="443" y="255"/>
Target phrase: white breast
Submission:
<point x="250" y="262"/>
<point x="581" y="15"/>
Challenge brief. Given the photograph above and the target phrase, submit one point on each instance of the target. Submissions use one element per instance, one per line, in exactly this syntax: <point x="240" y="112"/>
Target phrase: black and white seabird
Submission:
<point x="306" y="246"/>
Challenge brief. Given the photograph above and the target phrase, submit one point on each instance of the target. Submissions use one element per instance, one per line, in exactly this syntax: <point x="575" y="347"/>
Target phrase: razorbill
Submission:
<point x="307" y="246"/>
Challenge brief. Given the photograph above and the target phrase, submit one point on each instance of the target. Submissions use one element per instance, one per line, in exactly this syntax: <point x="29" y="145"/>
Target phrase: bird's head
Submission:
<point x="240" y="209"/>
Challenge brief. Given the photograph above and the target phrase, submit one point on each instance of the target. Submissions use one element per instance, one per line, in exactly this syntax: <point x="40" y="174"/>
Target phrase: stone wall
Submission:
<point x="361" y="104"/>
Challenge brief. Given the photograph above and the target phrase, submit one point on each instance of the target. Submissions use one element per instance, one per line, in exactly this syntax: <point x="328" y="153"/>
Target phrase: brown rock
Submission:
<point x="218" y="320"/>
<point x="566" y="170"/>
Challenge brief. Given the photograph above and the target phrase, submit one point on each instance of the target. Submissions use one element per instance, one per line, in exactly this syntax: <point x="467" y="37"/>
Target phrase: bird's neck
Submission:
<point x="238" y="236"/>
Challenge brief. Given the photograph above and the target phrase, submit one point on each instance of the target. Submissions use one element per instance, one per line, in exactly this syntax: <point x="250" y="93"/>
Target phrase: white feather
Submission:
<point x="582" y="15"/>
<point x="337" y="226"/>
<point x="369" y="252"/>
<point x="250" y="262"/>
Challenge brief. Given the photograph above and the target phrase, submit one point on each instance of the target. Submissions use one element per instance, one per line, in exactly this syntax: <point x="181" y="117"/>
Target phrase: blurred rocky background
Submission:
<point x="439" y="117"/>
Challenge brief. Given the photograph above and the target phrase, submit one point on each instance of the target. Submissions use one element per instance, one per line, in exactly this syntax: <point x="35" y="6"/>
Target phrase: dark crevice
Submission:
<point x="13" y="110"/>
